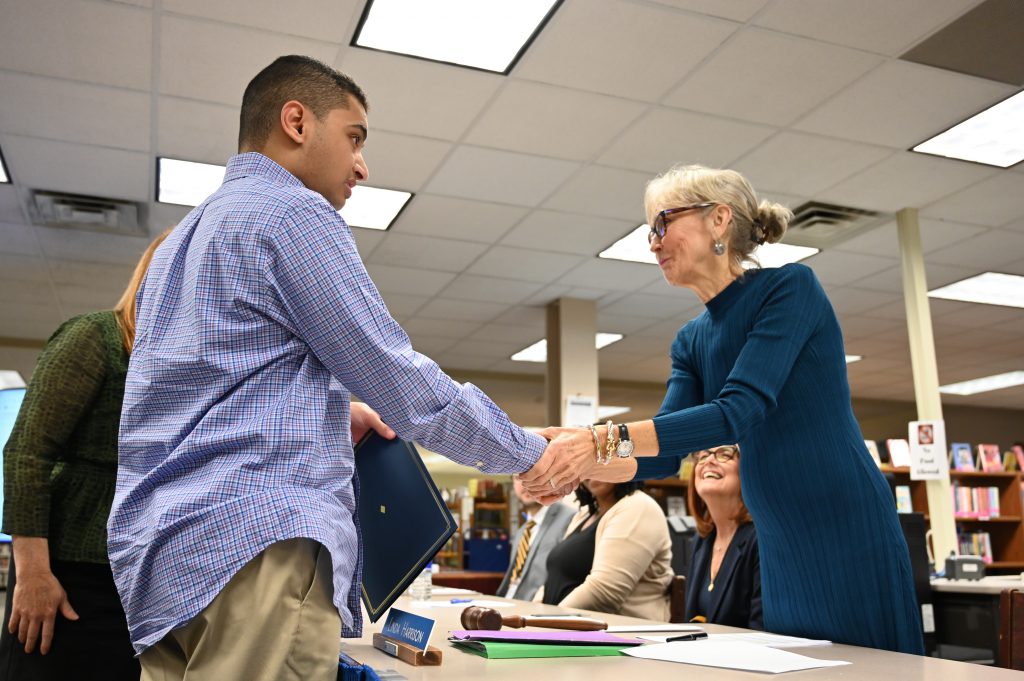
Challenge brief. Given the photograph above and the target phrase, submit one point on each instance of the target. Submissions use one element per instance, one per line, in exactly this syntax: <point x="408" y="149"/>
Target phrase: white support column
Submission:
<point x="926" y="373"/>
<point x="572" y="357"/>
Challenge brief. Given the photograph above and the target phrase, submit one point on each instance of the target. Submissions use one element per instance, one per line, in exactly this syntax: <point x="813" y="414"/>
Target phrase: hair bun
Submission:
<point x="771" y="222"/>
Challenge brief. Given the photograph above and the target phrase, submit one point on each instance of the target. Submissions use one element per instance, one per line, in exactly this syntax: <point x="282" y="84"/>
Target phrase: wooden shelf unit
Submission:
<point x="483" y="517"/>
<point x="1005" y="530"/>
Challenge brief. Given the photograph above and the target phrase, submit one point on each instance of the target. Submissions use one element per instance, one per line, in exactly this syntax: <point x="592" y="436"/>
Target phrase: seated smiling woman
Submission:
<point x="724" y="583"/>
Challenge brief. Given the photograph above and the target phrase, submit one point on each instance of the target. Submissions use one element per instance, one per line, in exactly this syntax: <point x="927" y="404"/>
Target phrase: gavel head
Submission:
<point x="475" y="617"/>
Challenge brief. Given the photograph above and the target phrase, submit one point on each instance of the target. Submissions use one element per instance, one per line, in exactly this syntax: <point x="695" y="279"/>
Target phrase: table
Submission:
<point x="967" y="616"/>
<point x="484" y="582"/>
<point x="868" y="664"/>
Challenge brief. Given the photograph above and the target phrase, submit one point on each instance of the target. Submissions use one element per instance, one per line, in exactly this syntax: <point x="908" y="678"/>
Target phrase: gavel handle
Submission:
<point x="573" y="623"/>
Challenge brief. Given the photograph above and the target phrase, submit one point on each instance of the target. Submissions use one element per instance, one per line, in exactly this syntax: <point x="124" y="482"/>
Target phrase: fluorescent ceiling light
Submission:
<point x="604" y="412"/>
<point x="634" y="247"/>
<point x="991" y="288"/>
<point x="850" y="359"/>
<point x="994" y="137"/>
<point x="186" y="183"/>
<point x="11" y="379"/>
<point x="373" y="207"/>
<point x="4" y="177"/>
<point x="985" y="384"/>
<point x="538" y="352"/>
<point x="488" y="35"/>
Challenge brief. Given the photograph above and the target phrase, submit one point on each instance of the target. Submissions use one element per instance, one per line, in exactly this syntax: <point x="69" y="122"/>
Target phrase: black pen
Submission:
<point x="695" y="636"/>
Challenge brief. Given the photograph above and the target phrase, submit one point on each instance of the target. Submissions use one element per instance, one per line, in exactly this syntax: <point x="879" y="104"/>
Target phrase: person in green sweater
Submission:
<point x="64" y="618"/>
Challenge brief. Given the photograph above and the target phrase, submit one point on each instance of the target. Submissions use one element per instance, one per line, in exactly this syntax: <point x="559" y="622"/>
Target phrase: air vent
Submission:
<point x="87" y="213"/>
<point x="823" y="225"/>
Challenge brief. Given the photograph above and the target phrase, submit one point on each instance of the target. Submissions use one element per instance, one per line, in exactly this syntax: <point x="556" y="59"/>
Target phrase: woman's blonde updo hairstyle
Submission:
<point x="753" y="223"/>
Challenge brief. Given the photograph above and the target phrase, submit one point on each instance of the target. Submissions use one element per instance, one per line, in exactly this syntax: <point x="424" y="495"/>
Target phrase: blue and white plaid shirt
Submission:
<point x="255" y="321"/>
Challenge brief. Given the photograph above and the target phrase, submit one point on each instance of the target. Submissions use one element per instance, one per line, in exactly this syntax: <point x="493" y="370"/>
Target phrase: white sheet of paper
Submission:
<point x="760" y="638"/>
<point x="463" y="604"/>
<point x="745" y="656"/>
<point x="451" y="591"/>
<point x="633" y="628"/>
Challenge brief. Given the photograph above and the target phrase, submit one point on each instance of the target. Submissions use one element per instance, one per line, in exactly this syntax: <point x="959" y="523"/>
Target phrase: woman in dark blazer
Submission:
<point x="724" y="584"/>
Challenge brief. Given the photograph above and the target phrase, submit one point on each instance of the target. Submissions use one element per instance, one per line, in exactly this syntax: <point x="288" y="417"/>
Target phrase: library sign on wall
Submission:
<point x="928" y="450"/>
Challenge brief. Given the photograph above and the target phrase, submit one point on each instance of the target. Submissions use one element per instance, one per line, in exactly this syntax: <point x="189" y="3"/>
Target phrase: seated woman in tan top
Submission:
<point x="616" y="555"/>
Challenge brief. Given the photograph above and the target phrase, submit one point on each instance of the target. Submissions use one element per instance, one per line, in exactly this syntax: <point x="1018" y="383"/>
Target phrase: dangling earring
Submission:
<point x="719" y="247"/>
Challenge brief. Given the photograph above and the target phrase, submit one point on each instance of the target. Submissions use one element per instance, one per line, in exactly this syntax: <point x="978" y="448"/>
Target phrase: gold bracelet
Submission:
<point x="597" y="444"/>
<point x="613" y="442"/>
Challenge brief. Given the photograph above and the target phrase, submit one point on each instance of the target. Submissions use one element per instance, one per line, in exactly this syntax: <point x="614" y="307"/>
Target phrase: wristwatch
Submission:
<point x="625" y="448"/>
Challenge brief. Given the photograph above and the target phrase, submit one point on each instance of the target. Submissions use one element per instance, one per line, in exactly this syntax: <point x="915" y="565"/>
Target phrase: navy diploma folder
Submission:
<point x="403" y="519"/>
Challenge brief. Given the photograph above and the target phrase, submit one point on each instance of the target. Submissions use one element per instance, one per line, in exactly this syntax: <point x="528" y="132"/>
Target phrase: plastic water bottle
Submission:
<point x="419" y="590"/>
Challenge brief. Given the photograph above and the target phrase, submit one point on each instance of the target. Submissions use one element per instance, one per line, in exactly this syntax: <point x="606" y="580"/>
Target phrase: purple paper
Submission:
<point x="577" y="637"/>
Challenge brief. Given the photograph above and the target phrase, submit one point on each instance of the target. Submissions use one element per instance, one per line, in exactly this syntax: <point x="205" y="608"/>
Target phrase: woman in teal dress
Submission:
<point x="763" y="366"/>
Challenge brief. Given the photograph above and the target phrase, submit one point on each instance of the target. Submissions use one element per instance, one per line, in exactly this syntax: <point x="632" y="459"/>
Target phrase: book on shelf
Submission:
<point x="1018" y="453"/>
<point x="873" y="451"/>
<point x="976" y="544"/>
<point x="963" y="457"/>
<point x="903" y="502"/>
<point x="989" y="458"/>
<point x="899" y="452"/>
<point x="1010" y="462"/>
<point x="975" y="502"/>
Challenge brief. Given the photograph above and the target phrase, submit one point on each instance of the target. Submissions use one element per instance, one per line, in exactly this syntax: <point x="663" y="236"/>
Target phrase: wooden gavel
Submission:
<point x="489" y="619"/>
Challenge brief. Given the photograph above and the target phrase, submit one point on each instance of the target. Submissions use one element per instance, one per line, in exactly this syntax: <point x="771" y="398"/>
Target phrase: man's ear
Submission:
<point x="295" y="121"/>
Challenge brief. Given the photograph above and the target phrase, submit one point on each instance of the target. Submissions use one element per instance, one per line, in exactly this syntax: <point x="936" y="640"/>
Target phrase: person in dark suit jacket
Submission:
<point x="548" y="526"/>
<point x="724" y="583"/>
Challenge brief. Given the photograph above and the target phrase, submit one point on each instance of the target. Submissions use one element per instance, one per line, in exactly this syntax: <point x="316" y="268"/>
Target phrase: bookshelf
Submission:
<point x="485" y="516"/>
<point x="1005" y="530"/>
<point x="668" y="492"/>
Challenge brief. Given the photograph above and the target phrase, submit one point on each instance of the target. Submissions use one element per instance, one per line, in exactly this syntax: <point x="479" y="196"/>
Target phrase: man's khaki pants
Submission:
<point x="274" y="620"/>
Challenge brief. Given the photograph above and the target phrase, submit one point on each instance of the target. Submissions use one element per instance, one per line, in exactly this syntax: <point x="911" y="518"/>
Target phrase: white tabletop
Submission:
<point x="992" y="585"/>
<point x="867" y="664"/>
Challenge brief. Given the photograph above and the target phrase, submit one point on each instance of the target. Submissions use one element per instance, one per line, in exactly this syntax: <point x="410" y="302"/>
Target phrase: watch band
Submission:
<point x="623" y="432"/>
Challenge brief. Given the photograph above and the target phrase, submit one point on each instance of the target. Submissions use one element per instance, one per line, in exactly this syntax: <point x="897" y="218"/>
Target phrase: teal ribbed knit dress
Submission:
<point x="764" y="366"/>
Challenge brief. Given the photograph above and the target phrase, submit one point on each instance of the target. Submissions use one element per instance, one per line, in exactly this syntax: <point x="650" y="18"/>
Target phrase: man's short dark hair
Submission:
<point x="304" y="79"/>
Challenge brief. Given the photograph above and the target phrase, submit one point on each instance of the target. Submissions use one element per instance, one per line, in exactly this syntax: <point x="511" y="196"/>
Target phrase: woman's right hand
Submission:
<point x="37" y="597"/>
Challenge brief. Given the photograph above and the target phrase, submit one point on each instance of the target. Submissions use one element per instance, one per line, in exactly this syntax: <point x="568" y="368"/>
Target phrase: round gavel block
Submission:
<point x="475" y="617"/>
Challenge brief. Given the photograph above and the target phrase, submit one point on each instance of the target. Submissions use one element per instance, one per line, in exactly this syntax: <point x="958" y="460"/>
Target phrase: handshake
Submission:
<point x="573" y="455"/>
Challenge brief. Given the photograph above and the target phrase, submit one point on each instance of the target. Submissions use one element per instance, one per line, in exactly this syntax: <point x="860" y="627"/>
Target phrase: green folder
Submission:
<point x="495" y="650"/>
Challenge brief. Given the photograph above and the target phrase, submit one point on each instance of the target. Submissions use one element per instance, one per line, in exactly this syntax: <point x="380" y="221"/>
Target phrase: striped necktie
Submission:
<point x="522" y="550"/>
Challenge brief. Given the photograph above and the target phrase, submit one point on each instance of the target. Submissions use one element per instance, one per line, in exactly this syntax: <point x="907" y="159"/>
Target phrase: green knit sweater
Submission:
<point x="60" y="463"/>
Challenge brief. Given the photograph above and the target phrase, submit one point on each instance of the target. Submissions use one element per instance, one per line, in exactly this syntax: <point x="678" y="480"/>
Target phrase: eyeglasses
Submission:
<point x="721" y="454"/>
<point x="660" y="226"/>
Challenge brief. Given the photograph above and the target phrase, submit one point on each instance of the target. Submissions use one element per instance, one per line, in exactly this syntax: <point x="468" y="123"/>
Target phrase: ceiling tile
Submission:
<point x="462" y="310"/>
<point x="402" y="161"/>
<point x="665" y="137"/>
<point x="454" y="360"/>
<point x="987" y="251"/>
<point x="626" y="324"/>
<point x="25" y="292"/>
<point x="197" y="131"/>
<point x="874" y="25"/>
<point x="79" y="169"/>
<point x="995" y="201"/>
<point x="95" y="247"/>
<point x="409" y="250"/>
<point x="796" y="163"/>
<point x="74" y="112"/>
<point x="837" y="269"/>
<point x="17" y="239"/>
<point x="440" y="328"/>
<point x="418" y="97"/>
<point x="650" y="306"/>
<point x="100" y="276"/>
<point x="847" y="300"/>
<point x="529" y="265"/>
<point x="10" y="204"/>
<point x="426" y="345"/>
<point x="901" y="104"/>
<point x="97" y="42"/>
<point x="625" y="276"/>
<point x="773" y="78"/>
<point x="548" y="294"/>
<point x="937" y="275"/>
<point x="214" y="62"/>
<point x="935" y="234"/>
<point x="403" y="305"/>
<point x="523" y="315"/>
<point x="620" y="48"/>
<point x="606" y="192"/>
<point x="502" y="176"/>
<point x="490" y="289"/>
<point x="517" y="334"/>
<point x="390" y="279"/>
<point x="457" y="218"/>
<point x="493" y="350"/>
<point x="567" y="232"/>
<point x="367" y="240"/>
<point x="552" y="121"/>
<point x="326" y="20"/>
<point x="30" y="321"/>
<point x="737" y="10"/>
<point x="905" y="180"/>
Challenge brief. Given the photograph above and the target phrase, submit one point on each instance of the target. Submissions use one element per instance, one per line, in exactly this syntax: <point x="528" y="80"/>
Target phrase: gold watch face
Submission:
<point x="624" y="449"/>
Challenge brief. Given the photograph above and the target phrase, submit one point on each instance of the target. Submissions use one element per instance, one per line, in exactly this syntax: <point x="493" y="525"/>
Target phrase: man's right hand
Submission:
<point x="37" y="597"/>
